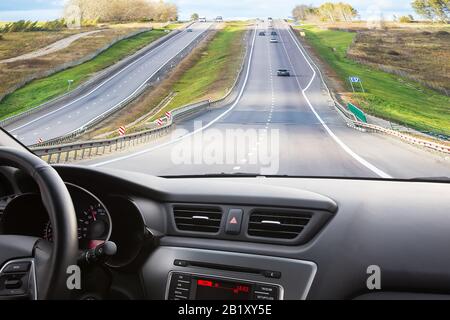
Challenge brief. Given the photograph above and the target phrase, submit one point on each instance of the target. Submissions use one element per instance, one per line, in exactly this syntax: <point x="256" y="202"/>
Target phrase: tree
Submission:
<point x="347" y="12"/>
<point x="337" y="12"/>
<point x="195" y="16"/>
<point x="304" y="12"/>
<point x="328" y="11"/>
<point x="300" y="12"/>
<point x="435" y="10"/>
<point x="124" y="10"/>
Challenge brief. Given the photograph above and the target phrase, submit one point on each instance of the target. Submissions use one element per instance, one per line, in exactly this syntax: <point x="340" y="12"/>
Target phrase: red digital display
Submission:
<point x="209" y="289"/>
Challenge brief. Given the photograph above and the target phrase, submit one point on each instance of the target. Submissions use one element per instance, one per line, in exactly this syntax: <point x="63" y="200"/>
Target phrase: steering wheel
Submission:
<point x="32" y="266"/>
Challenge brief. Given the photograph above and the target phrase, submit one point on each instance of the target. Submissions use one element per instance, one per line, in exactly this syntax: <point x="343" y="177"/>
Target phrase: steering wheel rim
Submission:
<point x="52" y="273"/>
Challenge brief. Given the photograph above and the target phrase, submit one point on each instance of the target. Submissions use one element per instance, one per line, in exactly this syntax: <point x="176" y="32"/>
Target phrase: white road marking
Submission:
<point x="355" y="156"/>
<point x="238" y="99"/>
<point x="102" y="84"/>
<point x="236" y="168"/>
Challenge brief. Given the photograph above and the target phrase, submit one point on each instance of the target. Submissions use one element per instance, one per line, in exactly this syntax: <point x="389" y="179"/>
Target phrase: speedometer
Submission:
<point x="93" y="219"/>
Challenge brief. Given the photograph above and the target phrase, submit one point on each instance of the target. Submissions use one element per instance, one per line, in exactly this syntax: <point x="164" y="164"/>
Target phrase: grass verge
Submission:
<point x="206" y="73"/>
<point x="42" y="90"/>
<point x="387" y="96"/>
<point x="215" y="70"/>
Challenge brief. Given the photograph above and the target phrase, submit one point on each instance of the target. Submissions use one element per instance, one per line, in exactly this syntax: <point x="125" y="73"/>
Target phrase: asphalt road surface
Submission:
<point x="72" y="115"/>
<point x="289" y="129"/>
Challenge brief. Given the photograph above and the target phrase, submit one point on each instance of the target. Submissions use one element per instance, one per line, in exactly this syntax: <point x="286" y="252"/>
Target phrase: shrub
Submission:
<point x="405" y="19"/>
<point x="442" y="33"/>
<point x="29" y="26"/>
<point x="393" y="53"/>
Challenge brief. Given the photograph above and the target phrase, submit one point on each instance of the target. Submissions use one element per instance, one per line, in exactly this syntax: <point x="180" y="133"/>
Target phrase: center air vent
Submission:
<point x="277" y="224"/>
<point x="197" y="218"/>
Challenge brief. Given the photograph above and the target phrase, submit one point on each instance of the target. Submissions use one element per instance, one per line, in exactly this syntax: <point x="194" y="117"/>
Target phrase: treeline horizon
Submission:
<point x="429" y="10"/>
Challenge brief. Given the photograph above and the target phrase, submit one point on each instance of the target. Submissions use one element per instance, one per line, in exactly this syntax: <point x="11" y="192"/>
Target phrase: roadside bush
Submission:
<point x="30" y="26"/>
<point x="89" y="22"/>
<point x="442" y="33"/>
<point x="405" y="19"/>
<point x="393" y="53"/>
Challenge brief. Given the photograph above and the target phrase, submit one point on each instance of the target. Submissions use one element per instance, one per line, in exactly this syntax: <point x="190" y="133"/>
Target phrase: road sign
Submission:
<point x="122" y="131"/>
<point x="357" y="112"/>
<point x="159" y="122"/>
<point x="355" y="80"/>
<point x="40" y="140"/>
<point x="168" y="114"/>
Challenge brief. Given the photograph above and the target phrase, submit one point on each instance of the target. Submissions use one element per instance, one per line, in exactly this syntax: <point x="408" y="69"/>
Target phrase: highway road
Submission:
<point x="292" y="118"/>
<point x="63" y="119"/>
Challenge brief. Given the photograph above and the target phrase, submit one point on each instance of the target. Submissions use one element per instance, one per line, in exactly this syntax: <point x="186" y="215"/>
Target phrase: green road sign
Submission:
<point x="357" y="112"/>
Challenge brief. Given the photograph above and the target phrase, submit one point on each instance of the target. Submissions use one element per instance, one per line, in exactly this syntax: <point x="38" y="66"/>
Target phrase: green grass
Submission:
<point x="42" y="90"/>
<point x="387" y="96"/>
<point x="214" y="72"/>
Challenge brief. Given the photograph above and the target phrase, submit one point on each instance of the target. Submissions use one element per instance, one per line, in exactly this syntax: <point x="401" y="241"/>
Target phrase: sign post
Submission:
<point x="356" y="80"/>
<point x="69" y="82"/>
<point x="122" y="131"/>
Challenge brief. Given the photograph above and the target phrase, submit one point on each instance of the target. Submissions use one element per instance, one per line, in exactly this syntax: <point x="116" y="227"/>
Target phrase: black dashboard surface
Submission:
<point x="401" y="227"/>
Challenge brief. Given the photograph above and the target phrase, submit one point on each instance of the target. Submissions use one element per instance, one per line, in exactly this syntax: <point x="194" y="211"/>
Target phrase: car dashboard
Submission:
<point x="247" y="238"/>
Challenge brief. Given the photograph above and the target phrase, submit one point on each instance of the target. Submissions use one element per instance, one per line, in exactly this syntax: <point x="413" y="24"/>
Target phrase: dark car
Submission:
<point x="262" y="33"/>
<point x="189" y="30"/>
<point x="273" y="33"/>
<point x="283" y="73"/>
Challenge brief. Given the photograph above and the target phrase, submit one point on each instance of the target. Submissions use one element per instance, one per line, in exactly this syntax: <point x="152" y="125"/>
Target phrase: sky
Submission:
<point x="11" y="10"/>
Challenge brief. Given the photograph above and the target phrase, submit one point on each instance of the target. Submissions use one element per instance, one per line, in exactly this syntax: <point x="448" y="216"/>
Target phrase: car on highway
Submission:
<point x="283" y="73"/>
<point x="210" y="163"/>
<point x="219" y="19"/>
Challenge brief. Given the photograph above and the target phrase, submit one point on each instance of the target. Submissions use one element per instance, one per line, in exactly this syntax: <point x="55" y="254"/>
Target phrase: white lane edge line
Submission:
<point x="107" y="80"/>
<point x="346" y="148"/>
<point x="238" y="99"/>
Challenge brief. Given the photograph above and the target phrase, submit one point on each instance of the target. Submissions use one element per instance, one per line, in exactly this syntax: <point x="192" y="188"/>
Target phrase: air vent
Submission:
<point x="277" y="224"/>
<point x="197" y="218"/>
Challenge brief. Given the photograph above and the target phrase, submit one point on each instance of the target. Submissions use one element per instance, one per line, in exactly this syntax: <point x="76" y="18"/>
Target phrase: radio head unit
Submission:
<point x="184" y="286"/>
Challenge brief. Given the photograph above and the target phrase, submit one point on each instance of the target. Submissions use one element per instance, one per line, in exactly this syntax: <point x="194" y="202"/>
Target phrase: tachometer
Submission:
<point x="94" y="221"/>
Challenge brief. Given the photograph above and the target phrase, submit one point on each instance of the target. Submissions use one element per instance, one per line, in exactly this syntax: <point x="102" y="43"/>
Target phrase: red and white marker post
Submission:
<point x="122" y="131"/>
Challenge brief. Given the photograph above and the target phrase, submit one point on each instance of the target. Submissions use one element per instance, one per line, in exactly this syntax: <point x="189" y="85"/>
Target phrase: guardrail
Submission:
<point x="151" y="82"/>
<point x="83" y="150"/>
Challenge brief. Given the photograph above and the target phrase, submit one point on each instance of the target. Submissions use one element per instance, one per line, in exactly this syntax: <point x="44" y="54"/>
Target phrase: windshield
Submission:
<point x="353" y="89"/>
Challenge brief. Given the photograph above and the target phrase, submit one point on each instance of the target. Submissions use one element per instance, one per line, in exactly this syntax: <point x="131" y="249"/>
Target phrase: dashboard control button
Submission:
<point x="180" y="263"/>
<point x="17" y="267"/>
<point x="272" y="274"/>
<point x="234" y="221"/>
<point x="13" y="284"/>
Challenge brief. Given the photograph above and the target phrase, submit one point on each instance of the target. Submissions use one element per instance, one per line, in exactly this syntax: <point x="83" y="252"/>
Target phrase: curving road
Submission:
<point x="63" y="119"/>
<point x="313" y="139"/>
